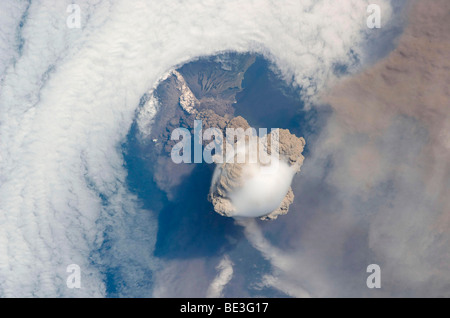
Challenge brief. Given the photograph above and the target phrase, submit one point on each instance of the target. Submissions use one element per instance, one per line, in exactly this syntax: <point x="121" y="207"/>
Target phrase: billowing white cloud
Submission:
<point x="68" y="101"/>
<point x="262" y="193"/>
<point x="146" y="116"/>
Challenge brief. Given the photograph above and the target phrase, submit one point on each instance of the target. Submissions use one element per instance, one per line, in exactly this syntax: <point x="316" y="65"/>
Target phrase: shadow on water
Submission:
<point x="187" y="224"/>
<point x="140" y="174"/>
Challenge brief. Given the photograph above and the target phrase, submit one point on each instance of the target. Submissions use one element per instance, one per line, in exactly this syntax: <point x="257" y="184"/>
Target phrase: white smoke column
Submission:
<point x="224" y="276"/>
<point x="69" y="99"/>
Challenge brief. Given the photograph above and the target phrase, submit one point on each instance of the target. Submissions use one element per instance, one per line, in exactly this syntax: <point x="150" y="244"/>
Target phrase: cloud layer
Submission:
<point x="375" y="187"/>
<point x="67" y="101"/>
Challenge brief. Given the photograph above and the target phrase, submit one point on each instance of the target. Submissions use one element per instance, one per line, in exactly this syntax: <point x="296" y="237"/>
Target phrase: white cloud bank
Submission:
<point x="68" y="100"/>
